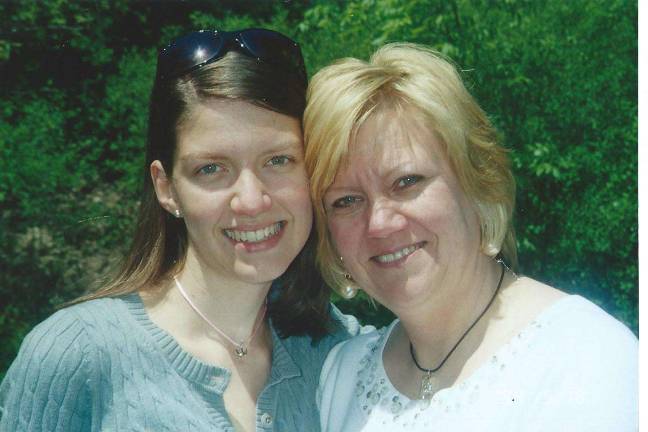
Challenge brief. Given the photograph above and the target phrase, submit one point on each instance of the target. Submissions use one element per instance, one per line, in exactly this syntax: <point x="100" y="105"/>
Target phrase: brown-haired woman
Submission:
<point x="190" y="335"/>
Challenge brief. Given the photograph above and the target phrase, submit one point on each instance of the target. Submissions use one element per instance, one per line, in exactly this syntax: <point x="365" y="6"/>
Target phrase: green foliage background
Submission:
<point x="559" y="80"/>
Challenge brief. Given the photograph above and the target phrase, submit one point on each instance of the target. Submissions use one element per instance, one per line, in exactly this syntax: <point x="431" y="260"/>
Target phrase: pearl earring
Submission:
<point x="350" y="288"/>
<point x="491" y="250"/>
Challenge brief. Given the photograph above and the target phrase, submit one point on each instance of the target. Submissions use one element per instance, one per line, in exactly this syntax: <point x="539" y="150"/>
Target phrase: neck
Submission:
<point x="230" y="304"/>
<point x="435" y="331"/>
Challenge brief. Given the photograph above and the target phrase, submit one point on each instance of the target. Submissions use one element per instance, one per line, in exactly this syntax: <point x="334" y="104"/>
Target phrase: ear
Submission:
<point x="164" y="188"/>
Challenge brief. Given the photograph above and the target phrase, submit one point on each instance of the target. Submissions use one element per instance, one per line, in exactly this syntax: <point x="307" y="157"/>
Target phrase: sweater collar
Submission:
<point x="195" y="370"/>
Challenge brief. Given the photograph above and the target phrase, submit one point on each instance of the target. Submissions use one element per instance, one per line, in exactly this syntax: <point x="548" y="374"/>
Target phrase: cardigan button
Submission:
<point x="266" y="419"/>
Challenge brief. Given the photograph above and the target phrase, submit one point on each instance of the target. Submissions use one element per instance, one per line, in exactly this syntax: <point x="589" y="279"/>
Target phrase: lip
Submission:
<point x="406" y="250"/>
<point x="256" y="246"/>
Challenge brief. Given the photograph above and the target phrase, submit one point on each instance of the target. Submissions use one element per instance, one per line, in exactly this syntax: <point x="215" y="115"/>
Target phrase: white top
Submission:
<point x="572" y="369"/>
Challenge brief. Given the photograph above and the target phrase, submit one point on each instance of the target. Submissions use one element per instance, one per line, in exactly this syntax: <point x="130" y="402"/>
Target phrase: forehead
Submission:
<point x="234" y="123"/>
<point x="390" y="137"/>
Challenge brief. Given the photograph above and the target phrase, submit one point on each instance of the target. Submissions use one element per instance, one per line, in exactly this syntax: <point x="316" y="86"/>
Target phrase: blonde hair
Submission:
<point x="407" y="76"/>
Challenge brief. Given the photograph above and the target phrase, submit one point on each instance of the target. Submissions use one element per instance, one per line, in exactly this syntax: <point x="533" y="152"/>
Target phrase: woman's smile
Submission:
<point x="256" y="239"/>
<point x="397" y="256"/>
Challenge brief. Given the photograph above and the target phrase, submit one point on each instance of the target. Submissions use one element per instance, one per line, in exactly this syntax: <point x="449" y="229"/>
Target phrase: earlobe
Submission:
<point x="163" y="188"/>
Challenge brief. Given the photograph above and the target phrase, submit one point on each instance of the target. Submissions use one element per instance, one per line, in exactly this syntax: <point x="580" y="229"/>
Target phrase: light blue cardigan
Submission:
<point x="103" y="365"/>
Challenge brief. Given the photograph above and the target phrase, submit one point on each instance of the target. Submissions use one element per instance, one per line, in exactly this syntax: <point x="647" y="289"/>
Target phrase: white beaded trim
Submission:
<point x="374" y="392"/>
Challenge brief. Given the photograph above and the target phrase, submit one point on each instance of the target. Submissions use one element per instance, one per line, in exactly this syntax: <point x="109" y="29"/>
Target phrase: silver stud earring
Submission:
<point x="350" y="288"/>
<point x="177" y="213"/>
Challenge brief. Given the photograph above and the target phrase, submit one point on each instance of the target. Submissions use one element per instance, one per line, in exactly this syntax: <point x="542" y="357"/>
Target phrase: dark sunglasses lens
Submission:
<point x="274" y="47"/>
<point x="187" y="52"/>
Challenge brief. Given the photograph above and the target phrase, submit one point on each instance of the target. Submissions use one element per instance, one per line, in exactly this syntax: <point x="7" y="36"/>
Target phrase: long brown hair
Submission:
<point x="298" y="303"/>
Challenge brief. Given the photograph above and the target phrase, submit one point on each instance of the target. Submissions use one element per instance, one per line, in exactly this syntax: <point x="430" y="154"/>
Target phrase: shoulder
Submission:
<point x="360" y="344"/>
<point x="583" y="347"/>
<point x="346" y="326"/>
<point x="524" y="299"/>
<point x="528" y="301"/>
<point x="339" y="375"/>
<point x="310" y="354"/>
<point x="56" y="365"/>
<point x="342" y="328"/>
<point x="569" y="323"/>
<point x="572" y="341"/>
<point x="66" y="328"/>
<point x="585" y="363"/>
<point x="347" y="355"/>
<point x="89" y="318"/>
<point x="67" y="337"/>
<point x="581" y="325"/>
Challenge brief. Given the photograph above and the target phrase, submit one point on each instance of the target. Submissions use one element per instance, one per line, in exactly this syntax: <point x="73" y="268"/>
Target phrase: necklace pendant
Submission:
<point x="428" y="386"/>
<point x="241" y="351"/>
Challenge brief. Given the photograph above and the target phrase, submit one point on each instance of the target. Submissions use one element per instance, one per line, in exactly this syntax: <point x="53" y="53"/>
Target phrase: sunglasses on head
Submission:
<point x="195" y="50"/>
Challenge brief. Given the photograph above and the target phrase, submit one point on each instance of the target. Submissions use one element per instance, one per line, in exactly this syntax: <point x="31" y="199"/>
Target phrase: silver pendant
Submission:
<point x="429" y="385"/>
<point x="241" y="351"/>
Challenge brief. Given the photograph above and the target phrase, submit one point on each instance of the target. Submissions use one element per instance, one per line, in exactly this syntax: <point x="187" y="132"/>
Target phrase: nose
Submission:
<point x="250" y="196"/>
<point x="384" y="219"/>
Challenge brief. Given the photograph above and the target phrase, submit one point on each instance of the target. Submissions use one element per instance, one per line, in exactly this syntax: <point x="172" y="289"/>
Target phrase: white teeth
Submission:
<point x="253" y="236"/>
<point x="398" y="254"/>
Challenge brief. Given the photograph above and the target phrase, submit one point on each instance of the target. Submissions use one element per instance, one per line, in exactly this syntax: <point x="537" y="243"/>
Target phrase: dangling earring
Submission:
<point x="177" y="213"/>
<point x="500" y="261"/>
<point x="350" y="288"/>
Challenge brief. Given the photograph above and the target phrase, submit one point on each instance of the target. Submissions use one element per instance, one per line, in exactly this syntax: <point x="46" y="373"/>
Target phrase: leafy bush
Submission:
<point x="559" y="80"/>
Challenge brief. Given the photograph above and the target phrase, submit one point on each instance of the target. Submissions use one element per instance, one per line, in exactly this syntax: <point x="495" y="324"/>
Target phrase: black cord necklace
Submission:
<point x="427" y="383"/>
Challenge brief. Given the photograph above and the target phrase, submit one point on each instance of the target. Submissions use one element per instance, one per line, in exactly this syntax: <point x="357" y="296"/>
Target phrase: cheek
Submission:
<point x="203" y="220"/>
<point x="449" y="216"/>
<point x="301" y="196"/>
<point x="344" y="234"/>
<point x="463" y="215"/>
<point x="296" y="198"/>
<point x="201" y="205"/>
<point x="293" y="183"/>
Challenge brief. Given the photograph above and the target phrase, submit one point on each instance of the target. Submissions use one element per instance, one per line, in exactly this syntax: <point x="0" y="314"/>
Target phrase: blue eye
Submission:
<point x="408" y="180"/>
<point x="279" y="160"/>
<point x="345" y="202"/>
<point x="210" y="169"/>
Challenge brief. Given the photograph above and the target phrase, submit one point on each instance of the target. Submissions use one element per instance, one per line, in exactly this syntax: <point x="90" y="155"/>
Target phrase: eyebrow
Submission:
<point x="279" y="147"/>
<point x="283" y="146"/>
<point x="400" y="169"/>
<point x="201" y="155"/>
<point x="333" y="190"/>
<point x="397" y="170"/>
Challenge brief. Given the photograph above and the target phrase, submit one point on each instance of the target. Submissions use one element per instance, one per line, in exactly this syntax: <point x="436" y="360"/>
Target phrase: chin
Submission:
<point x="262" y="274"/>
<point x="397" y="297"/>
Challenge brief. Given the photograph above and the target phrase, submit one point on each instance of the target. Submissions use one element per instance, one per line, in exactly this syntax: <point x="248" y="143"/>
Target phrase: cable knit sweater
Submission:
<point x="103" y="365"/>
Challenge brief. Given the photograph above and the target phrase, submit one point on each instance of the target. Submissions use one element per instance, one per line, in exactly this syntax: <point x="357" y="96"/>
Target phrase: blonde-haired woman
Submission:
<point x="413" y="198"/>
